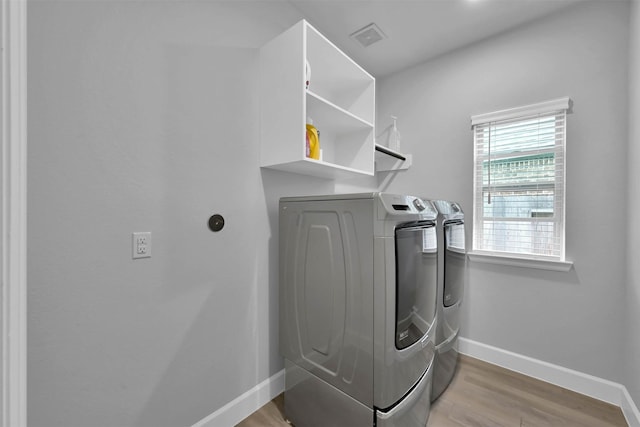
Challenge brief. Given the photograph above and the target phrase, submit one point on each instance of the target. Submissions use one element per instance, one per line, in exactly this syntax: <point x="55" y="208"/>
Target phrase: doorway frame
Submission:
<point x="13" y="129"/>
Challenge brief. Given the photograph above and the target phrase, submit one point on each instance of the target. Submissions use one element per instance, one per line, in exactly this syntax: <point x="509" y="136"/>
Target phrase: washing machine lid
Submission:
<point x="397" y="207"/>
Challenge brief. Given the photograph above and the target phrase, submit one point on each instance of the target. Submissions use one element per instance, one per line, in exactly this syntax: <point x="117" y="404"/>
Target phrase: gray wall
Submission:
<point x="2" y="124"/>
<point x="632" y="350"/>
<point x="143" y="117"/>
<point x="570" y="319"/>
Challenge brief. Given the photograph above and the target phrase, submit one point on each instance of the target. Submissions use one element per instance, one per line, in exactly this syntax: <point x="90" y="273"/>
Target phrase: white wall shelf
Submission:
<point x="340" y="101"/>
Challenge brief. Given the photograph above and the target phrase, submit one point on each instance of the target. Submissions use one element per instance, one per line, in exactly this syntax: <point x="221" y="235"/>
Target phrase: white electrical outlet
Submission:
<point x="141" y="245"/>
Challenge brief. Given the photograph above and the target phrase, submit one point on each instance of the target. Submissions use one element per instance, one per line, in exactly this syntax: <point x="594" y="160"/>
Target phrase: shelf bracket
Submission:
<point x="390" y="160"/>
<point x="389" y="152"/>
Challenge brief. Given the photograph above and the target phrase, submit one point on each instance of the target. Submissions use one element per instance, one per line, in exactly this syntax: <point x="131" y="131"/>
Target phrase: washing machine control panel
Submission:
<point x="451" y="210"/>
<point x="396" y="204"/>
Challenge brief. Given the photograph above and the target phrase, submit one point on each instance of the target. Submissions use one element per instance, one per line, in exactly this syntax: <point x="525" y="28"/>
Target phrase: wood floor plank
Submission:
<point x="486" y="395"/>
<point x="271" y="415"/>
<point x="539" y="397"/>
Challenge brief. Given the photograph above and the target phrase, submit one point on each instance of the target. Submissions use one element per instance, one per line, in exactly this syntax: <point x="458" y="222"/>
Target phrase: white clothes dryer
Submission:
<point x="358" y="287"/>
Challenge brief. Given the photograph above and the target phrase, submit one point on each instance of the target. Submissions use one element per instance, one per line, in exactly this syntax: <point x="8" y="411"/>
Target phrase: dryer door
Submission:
<point x="405" y="315"/>
<point x="454" y="262"/>
<point x="416" y="287"/>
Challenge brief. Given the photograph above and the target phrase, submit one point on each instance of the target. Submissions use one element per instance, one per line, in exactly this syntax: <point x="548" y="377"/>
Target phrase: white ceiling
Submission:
<point x="418" y="30"/>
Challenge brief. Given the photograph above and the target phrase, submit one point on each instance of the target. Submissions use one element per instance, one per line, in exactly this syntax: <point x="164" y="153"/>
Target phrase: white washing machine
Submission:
<point x="358" y="287"/>
<point x="451" y="279"/>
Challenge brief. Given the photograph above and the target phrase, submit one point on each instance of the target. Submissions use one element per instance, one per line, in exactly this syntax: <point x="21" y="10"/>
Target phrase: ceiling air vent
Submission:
<point x="368" y="35"/>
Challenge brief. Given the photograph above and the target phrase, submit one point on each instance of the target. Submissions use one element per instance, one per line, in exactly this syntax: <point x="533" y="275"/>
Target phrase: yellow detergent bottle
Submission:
<point x="313" y="141"/>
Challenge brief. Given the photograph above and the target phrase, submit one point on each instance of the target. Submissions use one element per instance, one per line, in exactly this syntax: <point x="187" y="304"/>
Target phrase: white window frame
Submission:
<point x="511" y="258"/>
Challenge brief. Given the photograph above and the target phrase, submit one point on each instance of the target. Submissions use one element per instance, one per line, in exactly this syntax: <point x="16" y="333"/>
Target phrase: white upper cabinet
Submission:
<point x="340" y="101"/>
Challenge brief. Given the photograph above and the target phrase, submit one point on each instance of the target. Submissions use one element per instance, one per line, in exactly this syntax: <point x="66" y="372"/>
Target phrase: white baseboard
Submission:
<point x="629" y="409"/>
<point x="246" y="404"/>
<point x="579" y="382"/>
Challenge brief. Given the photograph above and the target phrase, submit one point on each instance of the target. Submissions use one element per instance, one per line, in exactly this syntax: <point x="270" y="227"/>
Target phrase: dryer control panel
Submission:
<point x="394" y="205"/>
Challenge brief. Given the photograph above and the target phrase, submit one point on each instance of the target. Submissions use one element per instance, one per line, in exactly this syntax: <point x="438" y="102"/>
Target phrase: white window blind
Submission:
<point x="519" y="181"/>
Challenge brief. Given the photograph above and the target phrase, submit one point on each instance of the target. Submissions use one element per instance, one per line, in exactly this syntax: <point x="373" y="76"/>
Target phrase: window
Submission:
<point x="519" y="181"/>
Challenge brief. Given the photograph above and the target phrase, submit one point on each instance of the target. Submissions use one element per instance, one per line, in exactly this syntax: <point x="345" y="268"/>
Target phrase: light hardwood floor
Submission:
<point x="485" y="395"/>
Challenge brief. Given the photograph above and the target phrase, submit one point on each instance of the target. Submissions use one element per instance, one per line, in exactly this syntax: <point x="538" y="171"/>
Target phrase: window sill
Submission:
<point x="513" y="261"/>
